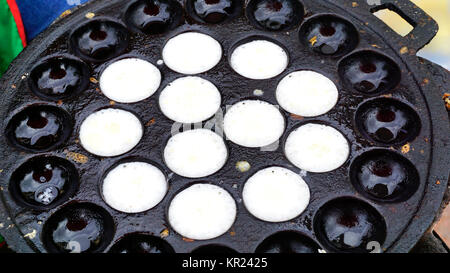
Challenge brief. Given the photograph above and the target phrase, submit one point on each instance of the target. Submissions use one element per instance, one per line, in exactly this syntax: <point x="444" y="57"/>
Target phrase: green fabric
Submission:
<point x="10" y="42"/>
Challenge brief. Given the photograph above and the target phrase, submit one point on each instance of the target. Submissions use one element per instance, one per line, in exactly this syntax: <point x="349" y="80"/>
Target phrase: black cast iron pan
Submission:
<point x="410" y="86"/>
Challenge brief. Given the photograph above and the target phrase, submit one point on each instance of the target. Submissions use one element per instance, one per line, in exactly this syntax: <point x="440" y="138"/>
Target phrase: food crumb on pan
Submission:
<point x="65" y="13"/>
<point x="31" y="235"/>
<point x="297" y="117"/>
<point x="77" y="157"/>
<point x="188" y="240"/>
<point x="446" y="99"/>
<point x="164" y="233"/>
<point x="354" y="4"/>
<point x="150" y="122"/>
<point x="258" y="92"/>
<point x="243" y="166"/>
<point x="90" y="15"/>
<point x="404" y="50"/>
<point x="406" y="148"/>
<point x="93" y="80"/>
<point x="313" y="40"/>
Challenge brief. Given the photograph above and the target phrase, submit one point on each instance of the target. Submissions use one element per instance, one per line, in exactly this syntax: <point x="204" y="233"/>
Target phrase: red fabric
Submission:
<point x="18" y="19"/>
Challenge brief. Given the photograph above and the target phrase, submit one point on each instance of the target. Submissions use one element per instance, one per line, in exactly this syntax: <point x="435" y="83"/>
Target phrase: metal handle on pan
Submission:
<point x="425" y="27"/>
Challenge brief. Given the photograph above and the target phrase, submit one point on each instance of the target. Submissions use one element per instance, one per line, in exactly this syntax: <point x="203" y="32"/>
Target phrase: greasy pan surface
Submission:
<point x="424" y="146"/>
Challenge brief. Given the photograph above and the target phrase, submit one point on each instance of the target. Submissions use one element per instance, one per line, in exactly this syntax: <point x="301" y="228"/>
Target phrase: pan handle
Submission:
<point x="425" y="27"/>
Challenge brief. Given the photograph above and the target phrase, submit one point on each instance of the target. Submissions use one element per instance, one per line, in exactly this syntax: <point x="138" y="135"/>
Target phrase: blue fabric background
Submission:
<point x="37" y="15"/>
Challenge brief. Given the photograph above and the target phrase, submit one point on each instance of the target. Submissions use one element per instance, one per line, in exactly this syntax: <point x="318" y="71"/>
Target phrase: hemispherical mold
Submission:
<point x="39" y="128"/>
<point x="275" y="15"/>
<point x="99" y="40"/>
<point x="141" y="243"/>
<point x="127" y="73"/>
<point x="258" y="57"/>
<point x="201" y="211"/>
<point x="384" y="176"/>
<point x="153" y="16"/>
<point x="78" y="228"/>
<point x="349" y="225"/>
<point x="213" y="249"/>
<point x="44" y="182"/>
<point x="59" y="77"/>
<point x="110" y="131"/>
<point x="369" y="72"/>
<point x="288" y="242"/>
<point x="329" y="35"/>
<point x="387" y="121"/>
<point x="317" y="147"/>
<point x="117" y="197"/>
<point x="213" y="11"/>
<point x="192" y="52"/>
<point x="253" y="123"/>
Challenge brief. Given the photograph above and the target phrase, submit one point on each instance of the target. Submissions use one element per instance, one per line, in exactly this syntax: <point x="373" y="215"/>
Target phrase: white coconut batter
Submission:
<point x="307" y="93"/>
<point x="253" y="123"/>
<point x="110" y="132"/>
<point x="134" y="187"/>
<point x="189" y="100"/>
<point x="192" y="53"/>
<point x="195" y="153"/>
<point x="275" y="194"/>
<point x="130" y="80"/>
<point x="317" y="148"/>
<point x="259" y="59"/>
<point x="202" y="212"/>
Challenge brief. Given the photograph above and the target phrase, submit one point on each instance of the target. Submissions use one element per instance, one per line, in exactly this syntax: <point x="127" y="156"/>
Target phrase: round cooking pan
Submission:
<point x="412" y="85"/>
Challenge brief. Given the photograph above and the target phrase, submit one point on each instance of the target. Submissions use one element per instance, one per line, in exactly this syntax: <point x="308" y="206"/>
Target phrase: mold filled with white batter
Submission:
<point x="202" y="212"/>
<point x="195" y="153"/>
<point x="190" y="99"/>
<point x="316" y="148"/>
<point x="306" y="93"/>
<point x="259" y="59"/>
<point x="130" y="80"/>
<point x="134" y="187"/>
<point x="192" y="53"/>
<point x="110" y="132"/>
<point x="253" y="123"/>
<point x="275" y="194"/>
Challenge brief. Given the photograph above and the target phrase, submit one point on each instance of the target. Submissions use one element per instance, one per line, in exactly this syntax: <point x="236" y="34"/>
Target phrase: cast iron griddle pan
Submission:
<point x="421" y="145"/>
